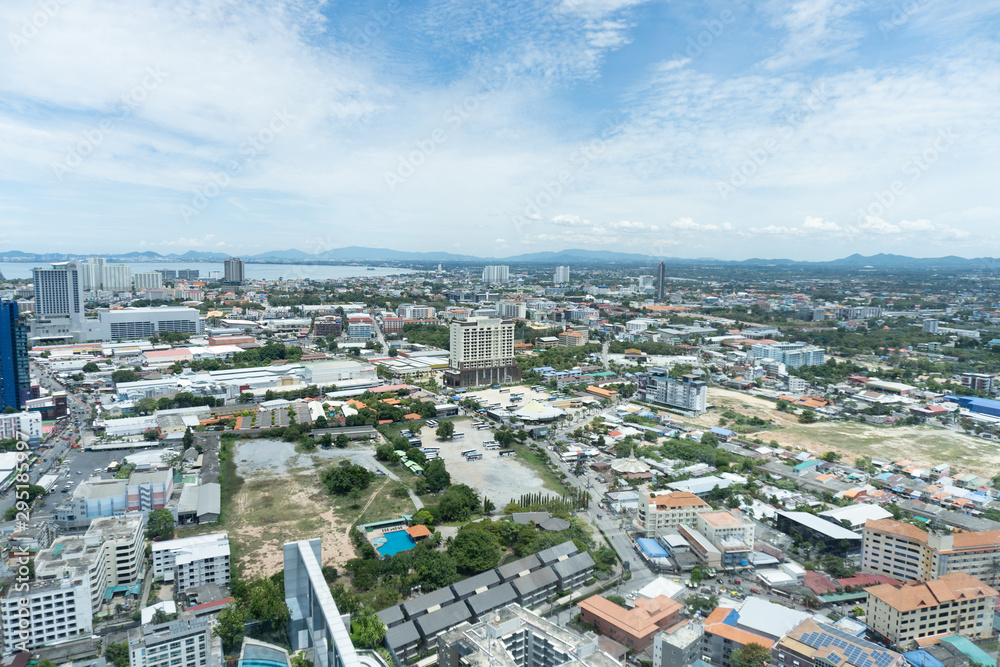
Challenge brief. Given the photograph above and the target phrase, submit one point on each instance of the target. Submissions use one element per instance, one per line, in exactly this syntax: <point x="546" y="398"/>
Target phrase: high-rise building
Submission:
<point x="92" y="273"/>
<point x="117" y="278"/>
<point x="496" y="274"/>
<point x="235" y="271"/>
<point x="482" y="352"/>
<point x="562" y="275"/>
<point x="688" y="393"/>
<point x="905" y="552"/>
<point x="646" y="282"/>
<point x="148" y="280"/>
<point x="193" y="561"/>
<point x="15" y="380"/>
<point x="59" y="294"/>
<point x="661" y="282"/>
<point x="930" y="326"/>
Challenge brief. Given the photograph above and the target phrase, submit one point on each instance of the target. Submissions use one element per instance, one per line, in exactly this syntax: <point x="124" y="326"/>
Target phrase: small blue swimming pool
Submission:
<point x="396" y="541"/>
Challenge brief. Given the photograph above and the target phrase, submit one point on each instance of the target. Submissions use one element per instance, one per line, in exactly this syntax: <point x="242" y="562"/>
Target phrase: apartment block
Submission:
<point x="15" y="424"/>
<point x="515" y="637"/>
<point x="136" y="323"/>
<point x="327" y="325"/>
<point x="496" y="274"/>
<point x="687" y="393"/>
<point x="185" y="643"/>
<point x="235" y="271"/>
<point x="793" y="355"/>
<point x="482" y="353"/>
<point x="678" y="646"/>
<point x="71" y="579"/>
<point x="147" y="280"/>
<point x="955" y="604"/>
<point x="148" y="491"/>
<point x="193" y="561"/>
<point x="59" y="295"/>
<point x="978" y="381"/>
<point x="731" y="532"/>
<point x="904" y="552"/>
<point x="669" y="510"/>
<point x="574" y="338"/>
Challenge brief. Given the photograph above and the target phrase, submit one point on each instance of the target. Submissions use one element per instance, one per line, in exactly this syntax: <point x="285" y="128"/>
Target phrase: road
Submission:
<point x="381" y="338"/>
<point x="57" y="445"/>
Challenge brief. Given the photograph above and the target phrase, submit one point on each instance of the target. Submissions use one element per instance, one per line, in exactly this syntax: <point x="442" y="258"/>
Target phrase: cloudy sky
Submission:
<point x="807" y="129"/>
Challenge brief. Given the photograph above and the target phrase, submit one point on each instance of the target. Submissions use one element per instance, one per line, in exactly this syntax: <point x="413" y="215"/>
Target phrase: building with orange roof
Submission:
<point x="634" y="627"/>
<point x="722" y="637"/>
<point x="419" y="531"/>
<point x="905" y="552"/>
<point x="412" y="415"/>
<point x="668" y="510"/>
<point x="602" y="393"/>
<point x="955" y="604"/>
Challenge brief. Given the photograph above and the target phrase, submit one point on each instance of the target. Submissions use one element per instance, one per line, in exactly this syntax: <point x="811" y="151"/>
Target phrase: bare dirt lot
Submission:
<point x="499" y="479"/>
<point x="282" y="500"/>
<point x="924" y="445"/>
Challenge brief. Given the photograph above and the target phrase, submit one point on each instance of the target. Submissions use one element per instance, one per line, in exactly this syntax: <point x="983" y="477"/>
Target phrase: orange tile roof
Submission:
<point x="678" y="499"/>
<point x="641" y="621"/>
<point x="896" y="528"/>
<point x="715" y="625"/>
<point x="957" y="586"/>
<point x="412" y="415"/>
<point x="418" y="531"/>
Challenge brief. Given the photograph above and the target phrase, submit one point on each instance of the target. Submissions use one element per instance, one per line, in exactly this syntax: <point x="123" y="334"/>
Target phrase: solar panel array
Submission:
<point x="854" y="653"/>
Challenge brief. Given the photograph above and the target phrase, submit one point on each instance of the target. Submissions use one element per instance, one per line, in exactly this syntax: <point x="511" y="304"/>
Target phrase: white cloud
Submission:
<point x="565" y="220"/>
<point x="630" y="226"/>
<point x="821" y="225"/>
<point x="875" y="225"/>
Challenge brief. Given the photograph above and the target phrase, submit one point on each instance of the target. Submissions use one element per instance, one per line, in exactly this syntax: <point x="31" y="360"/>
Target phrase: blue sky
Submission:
<point x="808" y="129"/>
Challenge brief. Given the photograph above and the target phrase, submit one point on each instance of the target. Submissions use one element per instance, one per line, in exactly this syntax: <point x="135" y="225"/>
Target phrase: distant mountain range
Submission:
<point x="590" y="257"/>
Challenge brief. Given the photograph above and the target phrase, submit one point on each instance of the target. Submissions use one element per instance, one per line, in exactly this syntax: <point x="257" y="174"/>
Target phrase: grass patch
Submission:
<point x="385" y="504"/>
<point x="539" y="464"/>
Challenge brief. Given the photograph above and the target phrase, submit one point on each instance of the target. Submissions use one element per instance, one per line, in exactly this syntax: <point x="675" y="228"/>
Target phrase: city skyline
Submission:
<point x="809" y="129"/>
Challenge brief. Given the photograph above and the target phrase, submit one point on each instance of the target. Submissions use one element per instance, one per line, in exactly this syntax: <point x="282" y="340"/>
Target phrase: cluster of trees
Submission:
<point x="435" y="335"/>
<point x="160" y="525"/>
<point x="347" y="477"/>
<point x="376" y="410"/>
<point x="260" y="605"/>
<point x="183" y="399"/>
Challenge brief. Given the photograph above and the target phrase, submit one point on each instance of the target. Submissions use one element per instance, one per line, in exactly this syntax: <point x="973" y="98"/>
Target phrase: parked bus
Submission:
<point x="469" y="451"/>
<point x="491" y="446"/>
<point x="474" y="457"/>
<point x="506" y="452"/>
<point x="457" y="436"/>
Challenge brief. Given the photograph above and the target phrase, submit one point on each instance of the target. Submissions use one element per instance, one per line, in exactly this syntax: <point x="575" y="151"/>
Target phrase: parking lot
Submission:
<point x="498" y="478"/>
<point x="493" y="396"/>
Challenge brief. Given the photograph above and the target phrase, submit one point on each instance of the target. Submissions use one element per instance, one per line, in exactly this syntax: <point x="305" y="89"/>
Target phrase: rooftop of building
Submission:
<point x="721" y="519"/>
<point x="816" y="640"/>
<point x="640" y="621"/>
<point x="677" y="499"/>
<point x="955" y="587"/>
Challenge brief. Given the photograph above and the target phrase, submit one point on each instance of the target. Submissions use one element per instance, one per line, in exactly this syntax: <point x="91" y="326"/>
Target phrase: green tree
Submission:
<point x="829" y="457"/>
<point x="151" y="435"/>
<point x="320" y="422"/>
<point x="437" y="476"/>
<point x="697" y="575"/>
<point x="341" y="442"/>
<point x="368" y="630"/>
<point x="160" y="525"/>
<point x="117" y="654"/>
<point x="188" y="439"/>
<point x="445" y="429"/>
<point x="124" y="375"/>
<point x="341" y="480"/>
<point x="458" y="503"/>
<point x="750" y="655"/>
<point x="424" y="518"/>
<point x="90" y="367"/>
<point x="230" y="624"/>
<point x="807" y="417"/>
<point x="145" y="406"/>
<point x="474" y="551"/>
<point x="616" y="599"/>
